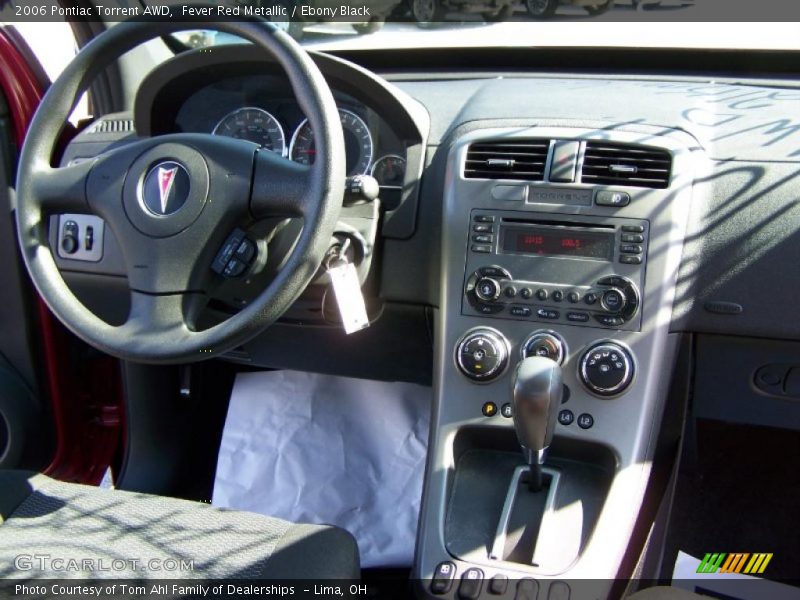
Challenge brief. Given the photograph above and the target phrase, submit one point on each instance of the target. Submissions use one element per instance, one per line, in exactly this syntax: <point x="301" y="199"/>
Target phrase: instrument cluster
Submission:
<point x="258" y="110"/>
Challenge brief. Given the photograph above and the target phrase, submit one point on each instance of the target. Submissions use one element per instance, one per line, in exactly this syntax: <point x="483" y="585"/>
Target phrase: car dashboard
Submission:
<point x="599" y="220"/>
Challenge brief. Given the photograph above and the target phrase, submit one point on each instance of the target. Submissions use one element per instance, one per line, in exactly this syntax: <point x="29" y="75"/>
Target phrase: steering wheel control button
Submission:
<point x="566" y="417"/>
<point x="471" y="583"/>
<point x="544" y="343"/>
<point x="606" y="369"/>
<point x="443" y="578"/>
<point x="80" y="237"/>
<point x="69" y="237"/>
<point x="165" y="188"/>
<point x="506" y="410"/>
<point x="585" y="421"/>
<point x="489" y="409"/>
<point x="482" y="355"/>
<point x="235" y="255"/>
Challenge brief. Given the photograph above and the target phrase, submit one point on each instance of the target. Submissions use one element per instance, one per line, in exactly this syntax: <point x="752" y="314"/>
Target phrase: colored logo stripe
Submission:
<point x="735" y="562"/>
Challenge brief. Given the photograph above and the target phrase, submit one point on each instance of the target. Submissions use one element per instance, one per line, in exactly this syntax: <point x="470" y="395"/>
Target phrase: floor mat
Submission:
<point x="742" y="495"/>
<point x="323" y="449"/>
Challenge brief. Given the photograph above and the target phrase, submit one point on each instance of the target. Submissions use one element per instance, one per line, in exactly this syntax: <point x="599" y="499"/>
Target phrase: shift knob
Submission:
<point x="537" y="392"/>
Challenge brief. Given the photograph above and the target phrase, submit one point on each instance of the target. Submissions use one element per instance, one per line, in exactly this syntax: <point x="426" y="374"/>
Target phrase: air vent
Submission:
<point x="519" y="159"/>
<point x="112" y="126"/>
<point x="621" y="164"/>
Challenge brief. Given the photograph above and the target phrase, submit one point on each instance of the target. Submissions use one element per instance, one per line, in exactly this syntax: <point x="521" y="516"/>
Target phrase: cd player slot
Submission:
<point x="549" y="223"/>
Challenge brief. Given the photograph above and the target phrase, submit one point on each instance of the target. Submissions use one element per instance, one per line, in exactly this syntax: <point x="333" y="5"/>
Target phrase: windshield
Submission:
<point x="376" y="24"/>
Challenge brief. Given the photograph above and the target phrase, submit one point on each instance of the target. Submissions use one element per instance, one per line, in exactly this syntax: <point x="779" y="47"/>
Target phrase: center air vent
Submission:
<point x="606" y="163"/>
<point x="517" y="159"/>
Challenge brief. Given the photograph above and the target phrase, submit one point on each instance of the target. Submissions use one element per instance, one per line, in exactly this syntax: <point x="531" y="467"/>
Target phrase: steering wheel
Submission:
<point x="213" y="186"/>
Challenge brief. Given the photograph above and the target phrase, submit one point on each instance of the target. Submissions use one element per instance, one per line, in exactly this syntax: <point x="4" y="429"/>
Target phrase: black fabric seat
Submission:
<point x="130" y="535"/>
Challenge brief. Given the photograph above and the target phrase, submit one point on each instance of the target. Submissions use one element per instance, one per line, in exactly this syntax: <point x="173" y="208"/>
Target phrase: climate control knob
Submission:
<point x="544" y="343"/>
<point x="482" y="354"/>
<point x="606" y="369"/>
<point x="487" y="289"/>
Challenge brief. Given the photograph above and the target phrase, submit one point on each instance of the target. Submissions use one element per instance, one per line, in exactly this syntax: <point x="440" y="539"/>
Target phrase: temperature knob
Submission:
<point x="482" y="354"/>
<point x="606" y="369"/>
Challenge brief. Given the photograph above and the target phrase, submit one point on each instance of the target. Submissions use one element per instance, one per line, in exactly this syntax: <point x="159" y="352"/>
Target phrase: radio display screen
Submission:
<point x="547" y="241"/>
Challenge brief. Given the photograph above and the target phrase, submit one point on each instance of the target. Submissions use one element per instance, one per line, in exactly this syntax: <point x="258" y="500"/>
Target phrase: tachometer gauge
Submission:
<point x="254" y="125"/>
<point x="389" y="171"/>
<point x="357" y="143"/>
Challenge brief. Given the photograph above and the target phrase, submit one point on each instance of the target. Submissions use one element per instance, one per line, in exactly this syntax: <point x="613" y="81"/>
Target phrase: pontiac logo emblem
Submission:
<point x="166" y="177"/>
<point x="165" y="188"/>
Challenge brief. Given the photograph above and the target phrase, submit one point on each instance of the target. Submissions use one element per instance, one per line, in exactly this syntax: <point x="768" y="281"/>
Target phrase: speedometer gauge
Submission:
<point x="357" y="143"/>
<point x="254" y="125"/>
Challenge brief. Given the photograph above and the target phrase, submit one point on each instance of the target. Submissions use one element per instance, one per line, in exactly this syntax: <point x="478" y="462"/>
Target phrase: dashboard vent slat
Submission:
<point x="607" y="163"/>
<point x="112" y="126"/>
<point x="518" y="159"/>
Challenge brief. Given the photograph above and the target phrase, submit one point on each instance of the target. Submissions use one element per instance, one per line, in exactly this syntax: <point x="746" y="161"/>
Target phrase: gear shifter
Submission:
<point x="537" y="391"/>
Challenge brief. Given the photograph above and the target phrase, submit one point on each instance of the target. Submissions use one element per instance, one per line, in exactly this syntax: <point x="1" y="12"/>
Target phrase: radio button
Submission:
<point x="609" y="198"/>
<point x="613" y="281"/>
<point x="590" y="298"/>
<point x="541" y="294"/>
<point x="493" y="271"/>
<point x="546" y="313"/>
<point x="489" y="308"/>
<point x="520" y="311"/>
<point x="574" y="297"/>
<point x="484" y="218"/>
<point x="483" y="238"/>
<point x="558" y="296"/>
<point x="633" y="228"/>
<point x="510" y="291"/>
<point x="483" y="228"/>
<point x="630" y="259"/>
<point x="487" y="289"/>
<point x="632" y="238"/>
<point x="525" y="293"/>
<point x="613" y="300"/>
<point x="609" y="321"/>
<point x="483" y="249"/>
<point x="578" y="317"/>
<point x="630" y="249"/>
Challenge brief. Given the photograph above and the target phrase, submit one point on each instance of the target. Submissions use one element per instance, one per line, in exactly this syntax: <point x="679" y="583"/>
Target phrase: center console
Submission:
<point x="565" y="244"/>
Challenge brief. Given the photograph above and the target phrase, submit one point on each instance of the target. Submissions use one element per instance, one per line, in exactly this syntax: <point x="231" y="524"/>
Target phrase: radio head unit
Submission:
<point x="579" y="270"/>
